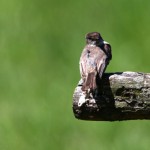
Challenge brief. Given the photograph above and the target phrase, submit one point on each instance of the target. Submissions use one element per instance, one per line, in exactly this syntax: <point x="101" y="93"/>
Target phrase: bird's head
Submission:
<point x="94" y="38"/>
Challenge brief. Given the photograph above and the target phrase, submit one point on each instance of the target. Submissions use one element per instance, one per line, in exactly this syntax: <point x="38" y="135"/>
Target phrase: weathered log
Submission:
<point x="121" y="96"/>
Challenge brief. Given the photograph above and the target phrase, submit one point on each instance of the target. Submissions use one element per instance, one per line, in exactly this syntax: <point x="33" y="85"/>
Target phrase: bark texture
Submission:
<point x="121" y="96"/>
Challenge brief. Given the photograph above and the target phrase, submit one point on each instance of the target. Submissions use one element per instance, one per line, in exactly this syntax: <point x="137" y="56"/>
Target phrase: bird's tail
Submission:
<point x="89" y="82"/>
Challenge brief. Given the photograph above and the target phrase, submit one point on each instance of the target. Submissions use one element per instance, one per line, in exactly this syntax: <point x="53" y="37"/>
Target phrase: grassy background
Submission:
<point x="40" y="46"/>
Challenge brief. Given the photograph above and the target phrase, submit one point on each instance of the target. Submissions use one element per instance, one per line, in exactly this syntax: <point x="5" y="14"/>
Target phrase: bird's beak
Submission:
<point x="105" y="42"/>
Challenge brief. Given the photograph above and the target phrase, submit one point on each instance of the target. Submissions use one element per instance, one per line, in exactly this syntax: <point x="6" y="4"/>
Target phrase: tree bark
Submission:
<point x="120" y="96"/>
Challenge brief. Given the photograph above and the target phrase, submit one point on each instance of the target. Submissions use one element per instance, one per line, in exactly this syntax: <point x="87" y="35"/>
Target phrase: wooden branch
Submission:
<point x="121" y="96"/>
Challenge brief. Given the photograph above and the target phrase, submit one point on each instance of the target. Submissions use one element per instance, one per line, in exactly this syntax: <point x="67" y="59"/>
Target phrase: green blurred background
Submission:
<point x="40" y="46"/>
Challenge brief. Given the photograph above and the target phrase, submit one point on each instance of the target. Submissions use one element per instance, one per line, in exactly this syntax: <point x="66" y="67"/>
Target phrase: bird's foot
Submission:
<point x="89" y="94"/>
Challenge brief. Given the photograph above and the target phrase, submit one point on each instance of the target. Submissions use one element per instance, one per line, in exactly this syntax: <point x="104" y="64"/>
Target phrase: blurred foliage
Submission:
<point x="40" y="46"/>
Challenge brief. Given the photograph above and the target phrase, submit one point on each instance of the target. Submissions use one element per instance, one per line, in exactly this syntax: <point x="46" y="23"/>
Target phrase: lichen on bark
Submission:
<point x="121" y="96"/>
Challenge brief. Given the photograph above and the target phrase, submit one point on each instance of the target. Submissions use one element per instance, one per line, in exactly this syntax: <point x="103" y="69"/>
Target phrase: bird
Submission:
<point x="94" y="59"/>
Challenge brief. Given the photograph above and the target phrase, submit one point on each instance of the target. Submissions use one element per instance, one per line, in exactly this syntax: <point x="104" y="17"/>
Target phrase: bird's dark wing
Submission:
<point x="107" y="49"/>
<point x="103" y="59"/>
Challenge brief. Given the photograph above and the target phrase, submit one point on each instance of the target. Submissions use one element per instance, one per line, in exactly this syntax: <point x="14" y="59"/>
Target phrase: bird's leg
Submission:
<point x="91" y="94"/>
<point x="88" y="94"/>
